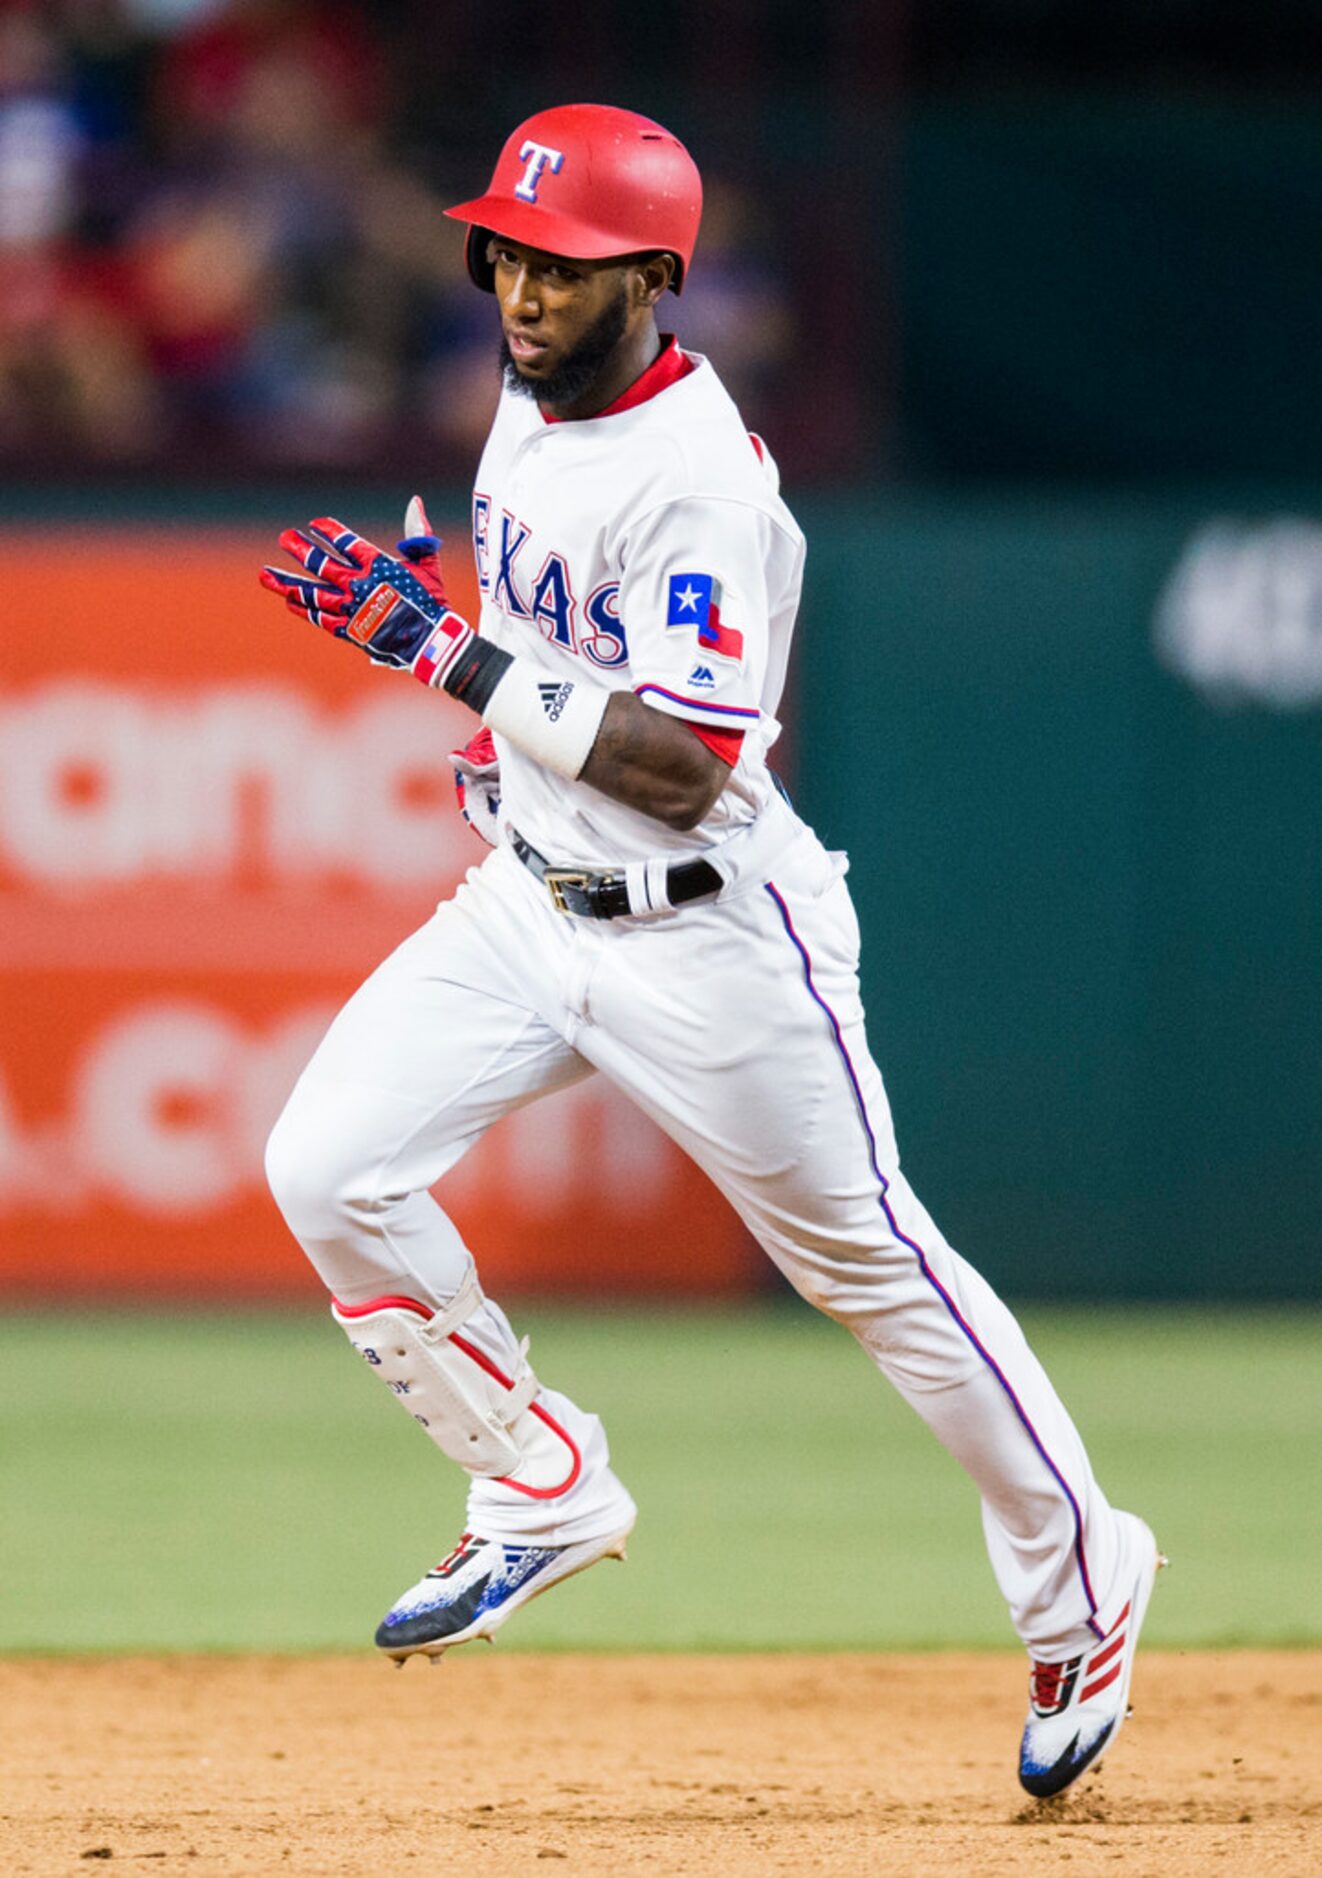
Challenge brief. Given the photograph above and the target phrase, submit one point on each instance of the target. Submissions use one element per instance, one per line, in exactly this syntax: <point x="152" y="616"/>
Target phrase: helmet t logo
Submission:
<point x="539" y="157"/>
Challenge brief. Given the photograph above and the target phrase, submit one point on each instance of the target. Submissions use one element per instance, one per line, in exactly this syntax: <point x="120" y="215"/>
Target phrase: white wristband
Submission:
<point x="553" y="719"/>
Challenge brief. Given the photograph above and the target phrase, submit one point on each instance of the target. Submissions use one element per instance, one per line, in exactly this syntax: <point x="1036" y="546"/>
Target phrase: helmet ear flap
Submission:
<point x="480" y="270"/>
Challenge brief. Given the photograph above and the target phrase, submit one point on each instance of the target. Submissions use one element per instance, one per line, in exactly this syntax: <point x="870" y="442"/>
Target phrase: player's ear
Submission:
<point x="653" y="274"/>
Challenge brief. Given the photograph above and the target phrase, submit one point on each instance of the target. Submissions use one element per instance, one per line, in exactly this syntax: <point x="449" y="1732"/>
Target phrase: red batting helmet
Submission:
<point x="589" y="182"/>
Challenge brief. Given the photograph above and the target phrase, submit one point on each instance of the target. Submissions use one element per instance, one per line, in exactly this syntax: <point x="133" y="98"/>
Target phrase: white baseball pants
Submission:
<point x="737" y="1026"/>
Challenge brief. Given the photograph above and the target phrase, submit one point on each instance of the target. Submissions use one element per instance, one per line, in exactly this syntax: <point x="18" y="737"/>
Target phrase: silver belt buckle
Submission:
<point x="557" y="879"/>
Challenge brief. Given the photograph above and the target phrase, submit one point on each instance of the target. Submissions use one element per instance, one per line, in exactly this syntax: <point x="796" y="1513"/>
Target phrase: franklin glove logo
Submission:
<point x="555" y="698"/>
<point x="374" y="612"/>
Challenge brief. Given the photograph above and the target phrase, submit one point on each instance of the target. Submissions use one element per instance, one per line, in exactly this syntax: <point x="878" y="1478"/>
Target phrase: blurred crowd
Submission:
<point x="222" y="248"/>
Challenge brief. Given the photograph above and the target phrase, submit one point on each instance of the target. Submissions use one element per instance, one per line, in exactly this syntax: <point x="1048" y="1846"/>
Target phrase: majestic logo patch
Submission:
<point x="695" y="600"/>
<point x="555" y="698"/>
<point x="702" y="678"/>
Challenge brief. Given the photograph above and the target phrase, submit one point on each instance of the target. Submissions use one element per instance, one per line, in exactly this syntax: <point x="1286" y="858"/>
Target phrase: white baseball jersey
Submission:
<point x="646" y="549"/>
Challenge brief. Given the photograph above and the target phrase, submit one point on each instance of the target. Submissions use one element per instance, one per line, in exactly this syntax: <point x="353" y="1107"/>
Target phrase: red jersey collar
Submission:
<point x="670" y="365"/>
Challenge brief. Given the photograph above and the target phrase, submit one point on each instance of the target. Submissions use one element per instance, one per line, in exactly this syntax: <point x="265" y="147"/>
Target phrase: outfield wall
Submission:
<point x="1074" y="750"/>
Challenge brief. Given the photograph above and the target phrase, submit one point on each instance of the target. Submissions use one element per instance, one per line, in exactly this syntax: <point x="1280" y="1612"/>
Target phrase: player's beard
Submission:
<point x="567" y="382"/>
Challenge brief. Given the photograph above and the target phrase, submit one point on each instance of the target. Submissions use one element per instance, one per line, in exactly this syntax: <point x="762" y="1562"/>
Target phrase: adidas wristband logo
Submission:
<point x="554" y="698"/>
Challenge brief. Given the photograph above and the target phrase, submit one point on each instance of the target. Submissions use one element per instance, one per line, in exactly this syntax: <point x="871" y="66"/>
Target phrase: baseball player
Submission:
<point x="654" y="911"/>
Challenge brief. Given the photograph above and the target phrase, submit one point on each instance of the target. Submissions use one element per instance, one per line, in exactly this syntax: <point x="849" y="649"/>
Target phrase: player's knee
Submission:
<point x="817" y="1290"/>
<point x="286" y="1169"/>
<point x="310" y="1181"/>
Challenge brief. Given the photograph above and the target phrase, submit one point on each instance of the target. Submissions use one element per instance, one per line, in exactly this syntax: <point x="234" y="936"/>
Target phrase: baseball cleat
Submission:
<point x="481" y="1584"/>
<point x="1076" y="1708"/>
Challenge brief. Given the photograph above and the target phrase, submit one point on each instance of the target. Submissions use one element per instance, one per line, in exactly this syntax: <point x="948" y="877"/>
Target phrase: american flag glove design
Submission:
<point x="395" y="610"/>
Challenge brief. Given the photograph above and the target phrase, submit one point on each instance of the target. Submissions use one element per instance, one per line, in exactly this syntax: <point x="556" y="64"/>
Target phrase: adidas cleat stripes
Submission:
<point x="1076" y="1708"/>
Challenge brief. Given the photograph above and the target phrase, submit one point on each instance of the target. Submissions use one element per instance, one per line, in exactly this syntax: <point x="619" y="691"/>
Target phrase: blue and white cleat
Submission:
<point x="1076" y="1708"/>
<point x="481" y="1584"/>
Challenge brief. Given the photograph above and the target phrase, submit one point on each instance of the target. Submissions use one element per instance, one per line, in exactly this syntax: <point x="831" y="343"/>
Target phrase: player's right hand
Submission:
<point x="477" y="785"/>
<point x="356" y="591"/>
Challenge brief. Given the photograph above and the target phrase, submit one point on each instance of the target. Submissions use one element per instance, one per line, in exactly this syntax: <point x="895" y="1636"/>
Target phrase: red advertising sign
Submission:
<point x="212" y="826"/>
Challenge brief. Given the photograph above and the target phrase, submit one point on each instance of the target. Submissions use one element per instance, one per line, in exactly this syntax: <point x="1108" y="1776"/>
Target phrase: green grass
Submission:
<point x="238" y="1482"/>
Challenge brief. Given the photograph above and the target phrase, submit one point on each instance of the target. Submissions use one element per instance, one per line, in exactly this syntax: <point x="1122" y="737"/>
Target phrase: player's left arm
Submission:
<point x="654" y="763"/>
<point x="397" y="612"/>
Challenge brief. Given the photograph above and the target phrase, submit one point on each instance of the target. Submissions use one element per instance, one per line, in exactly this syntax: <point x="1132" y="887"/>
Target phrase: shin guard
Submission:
<point x="487" y="1421"/>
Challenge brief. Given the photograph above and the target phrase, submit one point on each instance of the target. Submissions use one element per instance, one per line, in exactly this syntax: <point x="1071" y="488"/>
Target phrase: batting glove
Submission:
<point x="352" y="589"/>
<point x="477" y="785"/>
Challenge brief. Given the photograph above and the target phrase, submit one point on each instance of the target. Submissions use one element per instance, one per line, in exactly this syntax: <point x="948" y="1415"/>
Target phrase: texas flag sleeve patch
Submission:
<point x="695" y="600"/>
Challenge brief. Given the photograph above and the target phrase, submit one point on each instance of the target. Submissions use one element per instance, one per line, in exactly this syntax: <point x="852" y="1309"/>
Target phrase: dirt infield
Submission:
<point x="505" y="1764"/>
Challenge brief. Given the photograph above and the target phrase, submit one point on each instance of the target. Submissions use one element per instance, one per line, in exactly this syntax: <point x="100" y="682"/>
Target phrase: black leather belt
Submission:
<point x="606" y="896"/>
